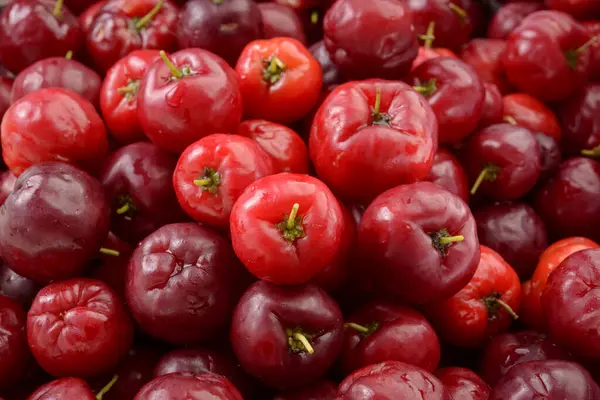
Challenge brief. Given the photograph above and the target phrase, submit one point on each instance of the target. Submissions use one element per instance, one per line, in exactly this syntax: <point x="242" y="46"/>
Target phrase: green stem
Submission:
<point x="510" y="120"/>
<point x="109" y="252"/>
<point x="507" y="308"/>
<point x="142" y="22"/>
<point x="314" y="17"/>
<point x="377" y="107"/>
<point x="451" y="239"/>
<point x="291" y="222"/>
<point x="458" y="11"/>
<point x="357" y="327"/>
<point x="202" y="182"/>
<point x="302" y="339"/>
<point x="57" y="11"/>
<point x="595" y="152"/>
<point x="487" y="173"/>
<point x="106" y="388"/>
<point x="427" y="89"/>
<point x="176" y="72"/>
<point x="123" y="209"/>
<point x="69" y="55"/>
<point x="429" y="36"/>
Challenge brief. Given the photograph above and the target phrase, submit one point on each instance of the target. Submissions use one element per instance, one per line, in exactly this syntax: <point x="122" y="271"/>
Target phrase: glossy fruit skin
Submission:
<point x="5" y="89"/>
<point x="370" y="39"/>
<point x="465" y="319"/>
<point x="581" y="9"/>
<point x="463" y="384"/>
<point x="57" y="125"/>
<point x="189" y="386"/>
<point x="514" y="231"/>
<point x="593" y="28"/>
<point x="331" y="74"/>
<point x="174" y="113"/>
<point x="322" y="390"/>
<point x="532" y="114"/>
<point x="67" y="228"/>
<point x="286" y="148"/>
<point x="416" y="271"/>
<point x="58" y="72"/>
<point x="427" y="53"/>
<point x="513" y="150"/>
<point x="293" y="94"/>
<point x="194" y="278"/>
<point x="139" y="175"/>
<point x="29" y="32"/>
<point x="493" y="109"/>
<point x="7" y="184"/>
<point x="391" y="380"/>
<point x="281" y="21"/>
<point x="546" y="74"/>
<point x="580" y="119"/>
<point x="87" y="16"/>
<point x="344" y="130"/>
<point x="223" y="28"/>
<point x="17" y="287"/>
<point x="567" y="202"/>
<point x="64" y="388"/>
<point x="237" y="160"/>
<point x="14" y="353"/>
<point x="402" y="334"/>
<point x="75" y="321"/>
<point x="561" y="380"/>
<point x="119" y="110"/>
<point x="261" y="245"/>
<point x="509" y="17"/>
<point x="449" y="174"/>
<point x="551" y="157"/>
<point x="509" y="349"/>
<point x="485" y="56"/>
<point x="458" y="99"/>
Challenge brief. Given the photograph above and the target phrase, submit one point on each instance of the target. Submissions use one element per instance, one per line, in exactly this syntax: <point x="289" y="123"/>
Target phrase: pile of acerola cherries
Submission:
<point x="300" y="200"/>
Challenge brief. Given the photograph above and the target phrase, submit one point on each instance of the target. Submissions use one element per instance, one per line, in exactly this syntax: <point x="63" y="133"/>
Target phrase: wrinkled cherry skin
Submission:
<point x="139" y="175"/>
<point x="286" y="148"/>
<point x="493" y="109"/>
<point x="53" y="124"/>
<point x="593" y="28"/>
<point x="5" y="89"/>
<point x="174" y="113"/>
<point x="465" y="319"/>
<point x="189" y="386"/>
<point x="281" y="21"/>
<point x="7" y="184"/>
<point x="570" y="303"/>
<point x="119" y="110"/>
<point x="64" y="388"/>
<point x="30" y="32"/>
<point x="239" y="161"/>
<point x="532" y="114"/>
<point x="463" y="384"/>
<point x="568" y="202"/>
<point x="58" y="72"/>
<point x="509" y="349"/>
<point x="392" y="380"/>
<point x="73" y="322"/>
<point x="550" y="155"/>
<point x="448" y="173"/>
<point x="17" y="287"/>
<point x="531" y="311"/>
<point x="509" y="17"/>
<point x="331" y="73"/>
<point x="344" y="130"/>
<point x="14" y="353"/>
<point x="182" y="283"/>
<point x="113" y="34"/>
<point x="373" y="39"/>
<point x="394" y="239"/>
<point x="484" y="55"/>
<point x="53" y="222"/>
<point x="322" y="390"/>
<point x="515" y="231"/>
<point x="402" y="334"/>
<point x="580" y="119"/>
<point x="546" y="379"/>
<point x="545" y="73"/>
<point x="581" y="9"/>
<point x="458" y="98"/>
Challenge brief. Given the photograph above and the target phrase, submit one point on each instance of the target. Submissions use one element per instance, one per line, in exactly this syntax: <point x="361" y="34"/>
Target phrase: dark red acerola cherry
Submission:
<point x="293" y="349"/>
<point x="387" y="45"/>
<point x="449" y="174"/>
<point x="7" y="184"/>
<point x="509" y="349"/>
<point x="53" y="223"/>
<point x="484" y="55"/>
<point x="528" y="112"/>
<point x="546" y="379"/>
<point x="581" y="9"/>
<point x="322" y="390"/>
<point x="331" y="73"/>
<point x="419" y="242"/>
<point x="281" y="21"/>
<point x="5" y="89"/>
<point x="64" y="388"/>
<point x="79" y="6"/>
<point x="110" y="264"/>
<point x="492" y="111"/>
<point x="182" y="283"/>
<point x="78" y="327"/>
<point x="463" y="384"/>
<point x="87" y="16"/>
<point x="580" y="120"/>
<point x="14" y="353"/>
<point x="551" y="157"/>
<point x="189" y="386"/>
<point x="509" y="17"/>
<point x="593" y="28"/>
<point x="17" y="287"/>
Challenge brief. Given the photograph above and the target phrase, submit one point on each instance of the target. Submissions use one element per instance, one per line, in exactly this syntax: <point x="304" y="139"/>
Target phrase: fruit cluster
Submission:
<point x="300" y="200"/>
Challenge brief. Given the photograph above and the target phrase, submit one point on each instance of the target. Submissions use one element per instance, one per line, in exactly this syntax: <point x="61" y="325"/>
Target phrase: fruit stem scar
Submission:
<point x="357" y="327"/>
<point x="452" y="239"/>
<point x="302" y="339"/>
<point x="109" y="252"/>
<point x="210" y="181"/>
<point x="429" y="36"/>
<point x="314" y="17"/>
<point x="291" y="226"/>
<point x="106" y="388"/>
<point x="273" y="69"/>
<point x="69" y="55"/>
<point x="57" y="11"/>
<point x="142" y="22"/>
<point x="510" y="120"/>
<point x="176" y="72"/>
<point x="292" y="218"/>
<point x="427" y="89"/>
<point x="489" y="173"/>
<point x="123" y="209"/>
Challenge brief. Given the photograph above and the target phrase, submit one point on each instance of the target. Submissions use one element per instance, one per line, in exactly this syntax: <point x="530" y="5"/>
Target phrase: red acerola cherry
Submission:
<point x="189" y="386"/>
<point x="484" y="55"/>
<point x="64" y="388"/>
<point x="464" y="384"/>
<point x="7" y="184"/>
<point x="14" y="353"/>
<point x="449" y="174"/>
<point x="281" y="21"/>
<point x="5" y="89"/>
<point x="550" y="155"/>
<point x="331" y="73"/>
<point x="526" y="111"/>
<point x="593" y="28"/>
<point x="493" y="109"/>
<point x="17" y="287"/>
<point x="580" y="119"/>
<point x="509" y="17"/>
<point x="581" y="9"/>
<point x="87" y="16"/>
<point x="322" y="390"/>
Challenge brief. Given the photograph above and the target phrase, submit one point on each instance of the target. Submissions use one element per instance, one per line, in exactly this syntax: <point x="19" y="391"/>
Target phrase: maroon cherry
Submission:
<point x="550" y="155"/>
<point x="580" y="120"/>
<point x="5" y="89"/>
<point x="16" y="287"/>
<point x="464" y="384"/>
<point x="281" y="21"/>
<point x="449" y="174"/>
<point x="64" y="388"/>
<point x="322" y="390"/>
<point x="189" y="386"/>
<point x="7" y="185"/>
<point x="110" y="264"/>
<point x="331" y="73"/>
<point x="484" y="56"/>
<point x="493" y="109"/>
<point x="509" y="16"/>
<point x="14" y="353"/>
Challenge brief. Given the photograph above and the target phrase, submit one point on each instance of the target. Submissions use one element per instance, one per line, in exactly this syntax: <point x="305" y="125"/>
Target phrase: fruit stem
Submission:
<point x="109" y="252"/>
<point x="510" y="120"/>
<point x="176" y="72"/>
<point x="357" y="327"/>
<point x="487" y="173"/>
<point x="458" y="11"/>
<point x="217" y="2"/>
<point x="302" y="339"/>
<point x="202" y="182"/>
<point x="427" y="89"/>
<point x="451" y="239"/>
<point x="106" y="388"/>
<point x="142" y="22"/>
<point x="314" y="17"/>
<point x="291" y="221"/>
<point x="587" y="44"/>
<point x="507" y="308"/>
<point x="429" y="36"/>
<point x="210" y="181"/>
<point x="595" y="152"/>
<point x="123" y="209"/>
<point x="57" y="11"/>
<point x="69" y="55"/>
<point x="377" y="107"/>
<point x="274" y="68"/>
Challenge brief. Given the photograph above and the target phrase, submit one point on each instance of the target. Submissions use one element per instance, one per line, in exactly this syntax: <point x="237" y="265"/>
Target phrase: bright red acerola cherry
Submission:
<point x="509" y="17"/>
<point x="385" y="119"/>
<point x="186" y="96"/>
<point x="56" y="125"/>
<point x="212" y="173"/>
<point x="78" y="327"/>
<point x="484" y="55"/>
<point x="64" y="388"/>
<point x="580" y="119"/>
<point x="419" y="242"/>
<point x="279" y="79"/>
<point x="528" y="112"/>
<point x="189" y="386"/>
<point x="483" y="308"/>
<point x="462" y="383"/>
<point x="286" y="228"/>
<point x="14" y="353"/>
<point x="448" y="173"/>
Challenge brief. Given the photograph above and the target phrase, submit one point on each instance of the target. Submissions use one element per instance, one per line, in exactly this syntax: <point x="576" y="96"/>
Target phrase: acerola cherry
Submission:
<point x="484" y="56"/>
<point x="462" y="383"/>
<point x="331" y="73"/>
<point x="322" y="390"/>
<point x="87" y="17"/>
<point x="551" y="157"/>
<point x="17" y="287"/>
<point x="7" y="184"/>
<point x="5" y="89"/>
<point x="189" y="386"/>
<point x="509" y="17"/>
<point x="593" y="28"/>
<point x="493" y="109"/>
<point x="580" y="119"/>
<point x="581" y="9"/>
<point x="14" y="353"/>
<point x="526" y="111"/>
<point x="449" y="174"/>
<point x="427" y="52"/>
<point x="281" y="21"/>
<point x="64" y="388"/>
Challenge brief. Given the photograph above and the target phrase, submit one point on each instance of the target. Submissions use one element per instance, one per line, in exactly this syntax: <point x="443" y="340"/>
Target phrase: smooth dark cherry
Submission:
<point x="493" y="109"/>
<point x="503" y="161"/>
<point x="419" y="242"/>
<point x="509" y="17"/>
<point x="281" y="21"/>
<point x="64" y="388"/>
<point x="188" y="95"/>
<point x="7" y="184"/>
<point x="509" y="349"/>
<point x="514" y="231"/>
<point x="463" y="384"/>
<point x="551" y="157"/>
<point x="484" y="55"/>
<point x="526" y="111"/>
<point x="53" y="223"/>
<point x="448" y="173"/>
<point x="581" y="9"/>
<point x="213" y="172"/>
<point x="53" y="124"/>
<point x="189" y="387"/>
<point x="17" y="287"/>
<point x="293" y="349"/>
<point x="331" y="73"/>
<point x="14" y="353"/>
<point x="381" y="331"/>
<point x="372" y="117"/>
<point x="182" y="283"/>
<point x="110" y="264"/>
<point x="31" y="30"/>
<point x="593" y="28"/>
<point x="322" y="390"/>
<point x="546" y="379"/>
<point x="580" y="119"/>
<point x="123" y="26"/>
<point x="387" y="45"/>
<point x="78" y="327"/>
<point x="391" y="380"/>
<point x="5" y="89"/>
